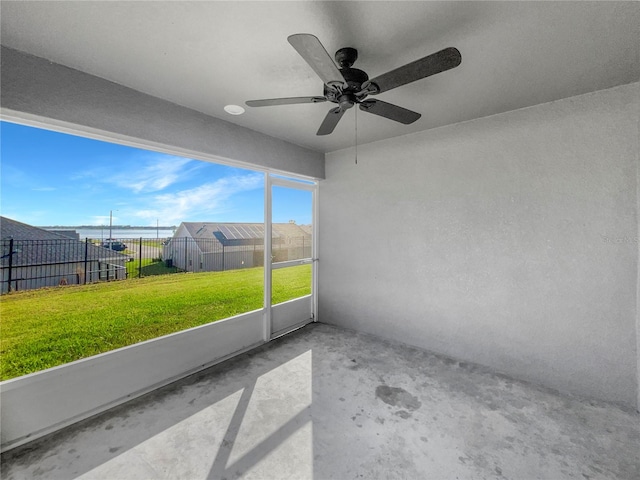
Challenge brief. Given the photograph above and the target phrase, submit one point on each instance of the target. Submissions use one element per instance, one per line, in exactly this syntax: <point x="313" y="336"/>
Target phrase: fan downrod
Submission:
<point x="354" y="78"/>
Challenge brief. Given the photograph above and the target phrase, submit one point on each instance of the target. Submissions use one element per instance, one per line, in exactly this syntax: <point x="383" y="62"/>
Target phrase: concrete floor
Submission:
<point x="328" y="403"/>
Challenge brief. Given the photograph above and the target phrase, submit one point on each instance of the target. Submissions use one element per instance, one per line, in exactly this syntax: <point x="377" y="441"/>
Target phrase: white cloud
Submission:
<point x="204" y="200"/>
<point x="17" y="178"/>
<point x="14" y="176"/>
<point x="100" y="220"/>
<point x="157" y="174"/>
<point x="145" y="173"/>
<point x="33" y="217"/>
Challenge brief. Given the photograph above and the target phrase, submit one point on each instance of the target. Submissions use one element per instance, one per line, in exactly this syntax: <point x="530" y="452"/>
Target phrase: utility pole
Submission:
<point x="110" y="225"/>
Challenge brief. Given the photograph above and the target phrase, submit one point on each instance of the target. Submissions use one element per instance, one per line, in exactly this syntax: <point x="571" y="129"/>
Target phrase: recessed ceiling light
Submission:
<point x="234" y="109"/>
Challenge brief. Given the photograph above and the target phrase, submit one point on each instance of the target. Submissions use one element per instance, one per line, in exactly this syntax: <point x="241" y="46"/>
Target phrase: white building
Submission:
<point x="210" y="246"/>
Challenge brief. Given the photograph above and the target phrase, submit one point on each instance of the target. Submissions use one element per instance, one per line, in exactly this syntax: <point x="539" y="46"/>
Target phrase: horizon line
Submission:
<point x="165" y="227"/>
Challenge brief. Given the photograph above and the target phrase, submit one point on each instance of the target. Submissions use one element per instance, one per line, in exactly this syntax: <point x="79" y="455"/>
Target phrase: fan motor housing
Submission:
<point x="346" y="100"/>
<point x="354" y="78"/>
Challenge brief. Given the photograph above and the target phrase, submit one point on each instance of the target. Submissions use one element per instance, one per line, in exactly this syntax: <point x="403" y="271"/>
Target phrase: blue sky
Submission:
<point x="51" y="178"/>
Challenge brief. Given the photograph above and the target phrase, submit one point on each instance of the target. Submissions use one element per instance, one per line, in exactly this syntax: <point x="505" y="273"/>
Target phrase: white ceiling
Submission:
<point x="205" y="55"/>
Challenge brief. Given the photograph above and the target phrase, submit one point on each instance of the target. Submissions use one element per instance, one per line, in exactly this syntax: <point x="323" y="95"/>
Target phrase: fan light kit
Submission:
<point x="234" y="109"/>
<point x="347" y="86"/>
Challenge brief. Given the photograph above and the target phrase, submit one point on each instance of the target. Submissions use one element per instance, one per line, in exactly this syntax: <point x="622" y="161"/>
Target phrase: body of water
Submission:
<point x="103" y="233"/>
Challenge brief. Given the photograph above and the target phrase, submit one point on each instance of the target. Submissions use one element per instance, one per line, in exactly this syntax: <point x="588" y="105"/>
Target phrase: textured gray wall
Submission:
<point x="39" y="88"/>
<point x="509" y="241"/>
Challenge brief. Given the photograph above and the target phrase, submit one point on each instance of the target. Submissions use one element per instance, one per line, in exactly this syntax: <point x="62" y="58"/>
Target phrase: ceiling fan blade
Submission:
<point x="430" y="65"/>
<point x="390" y="111"/>
<point x="330" y="121"/>
<point x="310" y="48"/>
<point x="284" y="101"/>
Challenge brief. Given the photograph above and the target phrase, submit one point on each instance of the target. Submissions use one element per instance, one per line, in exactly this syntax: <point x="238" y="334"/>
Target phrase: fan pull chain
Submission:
<point x="356" y="135"/>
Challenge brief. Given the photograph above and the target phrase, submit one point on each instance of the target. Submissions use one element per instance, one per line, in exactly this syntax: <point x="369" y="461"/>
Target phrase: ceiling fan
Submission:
<point x="348" y="86"/>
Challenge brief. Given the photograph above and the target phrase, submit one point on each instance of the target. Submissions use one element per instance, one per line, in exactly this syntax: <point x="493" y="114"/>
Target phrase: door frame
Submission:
<point x="273" y="180"/>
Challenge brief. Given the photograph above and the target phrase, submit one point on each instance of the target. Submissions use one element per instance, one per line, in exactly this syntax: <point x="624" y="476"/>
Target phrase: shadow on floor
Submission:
<point x="324" y="402"/>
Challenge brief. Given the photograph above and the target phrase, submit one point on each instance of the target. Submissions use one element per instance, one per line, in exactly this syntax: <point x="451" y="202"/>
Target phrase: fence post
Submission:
<point x="10" y="264"/>
<point x="86" y="254"/>
<point x="185" y="254"/>
<point x="140" y="259"/>
<point x="224" y="267"/>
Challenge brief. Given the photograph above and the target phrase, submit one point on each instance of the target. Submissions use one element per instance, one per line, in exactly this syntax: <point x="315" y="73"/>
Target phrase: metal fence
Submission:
<point x="32" y="264"/>
<point x="212" y="255"/>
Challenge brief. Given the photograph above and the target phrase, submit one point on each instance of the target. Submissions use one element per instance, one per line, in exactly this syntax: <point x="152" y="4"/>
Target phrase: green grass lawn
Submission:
<point x="44" y="328"/>
<point x="149" y="267"/>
